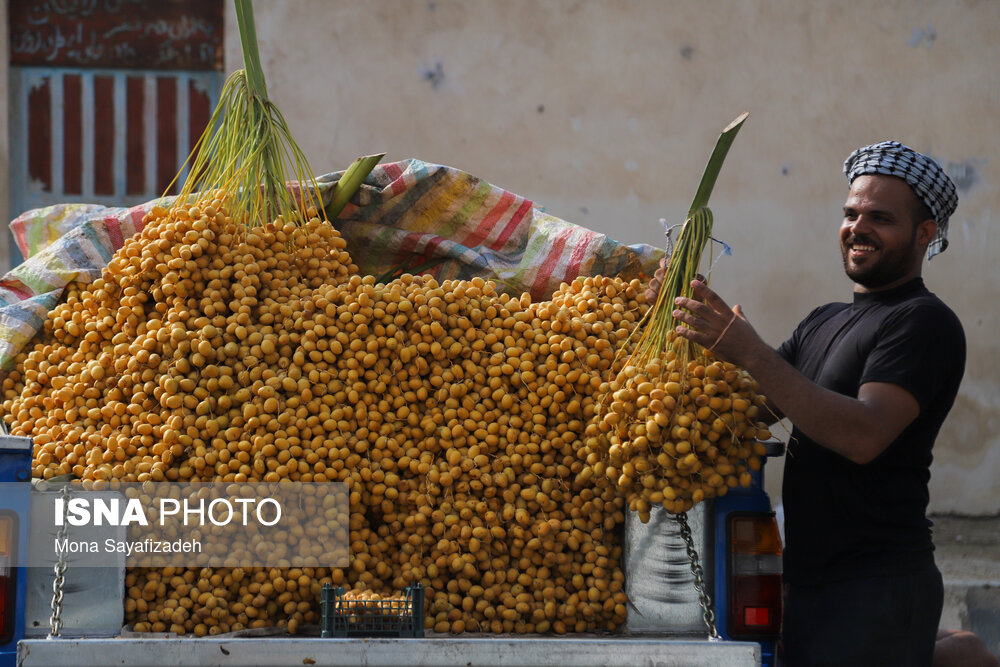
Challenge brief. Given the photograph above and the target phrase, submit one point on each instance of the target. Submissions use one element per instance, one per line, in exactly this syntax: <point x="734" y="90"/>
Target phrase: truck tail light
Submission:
<point x="8" y="541"/>
<point x="754" y="576"/>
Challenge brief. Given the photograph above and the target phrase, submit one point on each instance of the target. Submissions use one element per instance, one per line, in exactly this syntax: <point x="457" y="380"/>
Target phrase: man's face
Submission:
<point x="881" y="242"/>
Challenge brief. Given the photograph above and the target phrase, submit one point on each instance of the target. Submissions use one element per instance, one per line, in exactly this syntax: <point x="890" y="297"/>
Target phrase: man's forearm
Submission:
<point x="851" y="427"/>
<point x="858" y="428"/>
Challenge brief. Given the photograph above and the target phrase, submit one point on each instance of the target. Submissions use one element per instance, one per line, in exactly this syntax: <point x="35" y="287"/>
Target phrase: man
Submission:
<point x="866" y="386"/>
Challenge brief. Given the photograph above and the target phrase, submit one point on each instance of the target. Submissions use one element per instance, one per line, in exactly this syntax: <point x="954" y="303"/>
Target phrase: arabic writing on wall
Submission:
<point x="141" y="34"/>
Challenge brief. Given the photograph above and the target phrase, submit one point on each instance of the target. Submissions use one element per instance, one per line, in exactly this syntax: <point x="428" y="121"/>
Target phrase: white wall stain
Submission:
<point x="957" y="485"/>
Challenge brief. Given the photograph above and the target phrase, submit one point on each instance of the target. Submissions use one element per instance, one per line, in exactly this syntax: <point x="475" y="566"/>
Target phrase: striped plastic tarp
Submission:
<point x="408" y="215"/>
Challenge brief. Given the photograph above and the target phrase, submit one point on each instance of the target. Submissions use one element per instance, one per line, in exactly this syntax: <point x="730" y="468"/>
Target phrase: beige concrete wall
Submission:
<point x="604" y="112"/>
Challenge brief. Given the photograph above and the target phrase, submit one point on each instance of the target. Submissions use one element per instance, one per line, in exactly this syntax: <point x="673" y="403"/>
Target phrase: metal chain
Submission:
<point x="699" y="582"/>
<point x="668" y="231"/>
<point x="55" y="620"/>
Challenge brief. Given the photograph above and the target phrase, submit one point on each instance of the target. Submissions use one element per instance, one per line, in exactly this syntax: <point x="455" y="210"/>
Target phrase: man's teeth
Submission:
<point x="863" y="248"/>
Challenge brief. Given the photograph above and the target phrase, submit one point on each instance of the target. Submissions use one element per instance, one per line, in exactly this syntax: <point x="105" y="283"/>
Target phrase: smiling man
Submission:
<point x="878" y="244"/>
<point x="866" y="385"/>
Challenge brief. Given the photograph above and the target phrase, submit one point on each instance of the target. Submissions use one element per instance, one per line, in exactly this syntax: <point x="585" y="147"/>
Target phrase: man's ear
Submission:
<point x="925" y="232"/>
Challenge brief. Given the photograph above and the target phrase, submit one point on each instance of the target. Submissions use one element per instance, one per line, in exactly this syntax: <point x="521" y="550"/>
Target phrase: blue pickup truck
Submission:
<point x="731" y="542"/>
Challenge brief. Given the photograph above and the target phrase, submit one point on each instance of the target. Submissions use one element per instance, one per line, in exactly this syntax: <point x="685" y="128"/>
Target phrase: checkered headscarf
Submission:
<point x="923" y="174"/>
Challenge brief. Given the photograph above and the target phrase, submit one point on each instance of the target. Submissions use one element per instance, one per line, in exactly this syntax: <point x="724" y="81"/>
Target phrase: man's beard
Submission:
<point x="888" y="268"/>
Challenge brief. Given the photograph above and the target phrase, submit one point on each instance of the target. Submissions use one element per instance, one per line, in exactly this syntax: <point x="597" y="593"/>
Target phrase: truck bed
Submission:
<point x="428" y="652"/>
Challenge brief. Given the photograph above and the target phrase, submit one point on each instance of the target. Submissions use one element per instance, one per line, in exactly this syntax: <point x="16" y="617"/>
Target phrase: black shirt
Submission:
<point x="844" y="519"/>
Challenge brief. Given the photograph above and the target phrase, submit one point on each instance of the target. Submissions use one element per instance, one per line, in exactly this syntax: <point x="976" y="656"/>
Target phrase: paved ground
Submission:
<point x="968" y="555"/>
